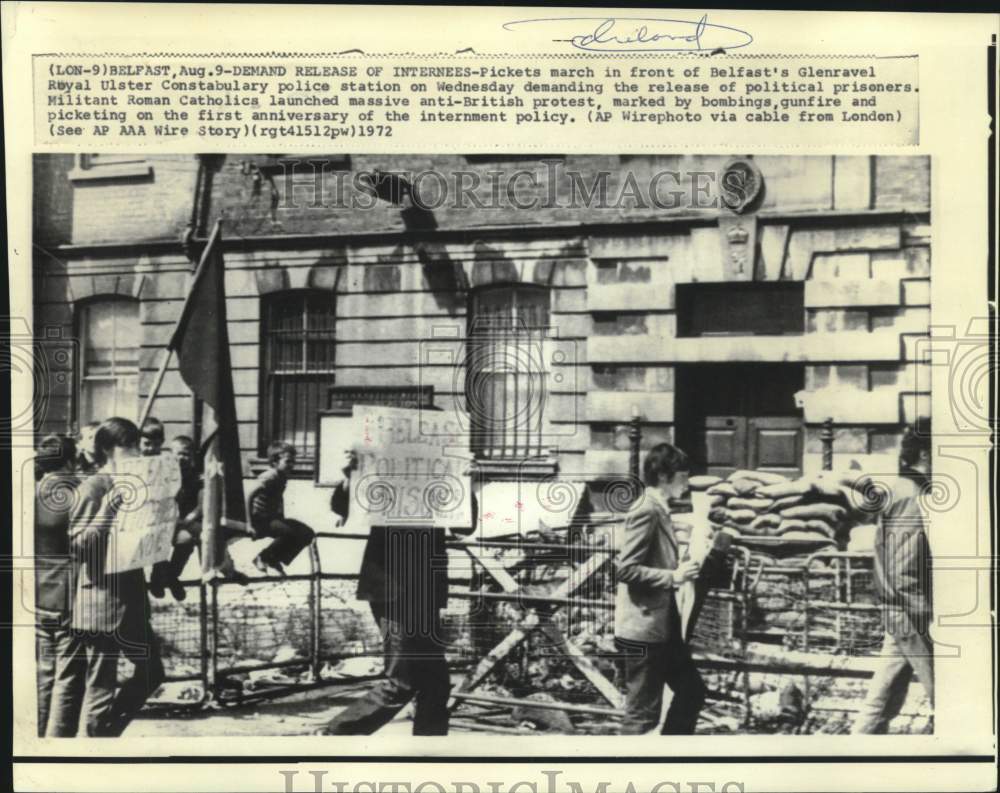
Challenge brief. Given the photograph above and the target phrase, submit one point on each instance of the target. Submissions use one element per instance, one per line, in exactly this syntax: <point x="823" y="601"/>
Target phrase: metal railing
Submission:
<point x="302" y="623"/>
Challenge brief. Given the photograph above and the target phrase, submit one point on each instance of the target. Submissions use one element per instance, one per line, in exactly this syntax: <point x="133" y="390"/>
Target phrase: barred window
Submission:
<point x="297" y="366"/>
<point x="109" y="333"/>
<point x="505" y="370"/>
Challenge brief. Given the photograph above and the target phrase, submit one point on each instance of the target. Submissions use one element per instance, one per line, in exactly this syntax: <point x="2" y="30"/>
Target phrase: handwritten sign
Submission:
<point x="408" y="470"/>
<point x="143" y="531"/>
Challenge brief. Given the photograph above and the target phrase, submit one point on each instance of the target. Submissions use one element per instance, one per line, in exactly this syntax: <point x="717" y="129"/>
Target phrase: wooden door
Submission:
<point x="723" y="444"/>
<point x="736" y="416"/>
<point x="774" y="443"/>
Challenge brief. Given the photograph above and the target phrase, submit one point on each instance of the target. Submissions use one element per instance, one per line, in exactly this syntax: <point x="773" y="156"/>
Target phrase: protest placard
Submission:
<point x="143" y="530"/>
<point x="408" y="469"/>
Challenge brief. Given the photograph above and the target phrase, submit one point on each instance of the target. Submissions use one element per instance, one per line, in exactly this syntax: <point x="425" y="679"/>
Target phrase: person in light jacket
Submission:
<point x="111" y="610"/>
<point x="648" y="631"/>
<point x="59" y="663"/>
<point x="902" y="568"/>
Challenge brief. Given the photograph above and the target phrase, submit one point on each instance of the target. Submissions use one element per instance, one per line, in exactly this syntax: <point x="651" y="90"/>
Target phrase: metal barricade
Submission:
<point x="532" y="630"/>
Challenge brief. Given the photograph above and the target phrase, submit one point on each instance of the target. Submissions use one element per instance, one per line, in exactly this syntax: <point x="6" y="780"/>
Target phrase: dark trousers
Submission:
<point x="290" y="537"/>
<point x="61" y="672"/>
<point x="901" y="656"/>
<point x="106" y="713"/>
<point x="415" y="669"/>
<point x="169" y="572"/>
<point x="648" y="666"/>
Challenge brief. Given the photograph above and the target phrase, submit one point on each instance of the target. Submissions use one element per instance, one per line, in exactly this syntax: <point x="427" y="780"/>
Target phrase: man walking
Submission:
<point x="404" y="579"/>
<point x="647" y="620"/>
<point x="903" y="580"/>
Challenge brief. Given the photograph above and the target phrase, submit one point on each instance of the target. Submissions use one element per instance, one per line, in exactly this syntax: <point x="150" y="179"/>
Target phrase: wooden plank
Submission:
<point x="606" y="688"/>
<point x="574" y="581"/>
<point x="492" y="566"/>
<point x="496" y="655"/>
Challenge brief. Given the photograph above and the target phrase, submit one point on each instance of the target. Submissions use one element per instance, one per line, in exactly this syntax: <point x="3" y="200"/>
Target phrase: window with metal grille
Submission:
<point x="109" y="333"/>
<point x="298" y="356"/>
<point x="505" y="370"/>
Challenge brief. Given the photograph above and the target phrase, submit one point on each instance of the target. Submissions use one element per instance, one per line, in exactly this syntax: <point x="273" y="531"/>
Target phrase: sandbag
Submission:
<point x="804" y="534"/>
<point x="764" y="477"/>
<point x="821" y="527"/>
<point x="703" y="482"/>
<point x="718" y="515"/>
<point x="744" y="487"/>
<point x="766" y="522"/>
<point x="790" y="524"/>
<point x="799" y="487"/>
<point x="832" y="513"/>
<point x="722" y="489"/>
<point x="756" y="504"/>
<point x="784" y="503"/>
<point x="740" y="515"/>
<point x="717" y="501"/>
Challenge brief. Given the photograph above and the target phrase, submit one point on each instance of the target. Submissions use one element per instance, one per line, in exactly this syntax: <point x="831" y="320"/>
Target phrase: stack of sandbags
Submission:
<point x="761" y="504"/>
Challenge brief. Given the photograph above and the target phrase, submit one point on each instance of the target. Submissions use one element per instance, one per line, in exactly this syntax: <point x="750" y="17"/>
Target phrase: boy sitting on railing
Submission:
<point x="187" y="536"/>
<point x="267" y="512"/>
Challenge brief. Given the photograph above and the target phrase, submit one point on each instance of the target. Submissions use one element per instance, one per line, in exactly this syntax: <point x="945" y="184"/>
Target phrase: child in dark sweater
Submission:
<point x="267" y="512"/>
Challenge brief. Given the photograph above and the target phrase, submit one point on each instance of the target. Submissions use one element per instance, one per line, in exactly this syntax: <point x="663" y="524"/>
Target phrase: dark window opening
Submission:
<point x="298" y="354"/>
<point x="740" y="309"/>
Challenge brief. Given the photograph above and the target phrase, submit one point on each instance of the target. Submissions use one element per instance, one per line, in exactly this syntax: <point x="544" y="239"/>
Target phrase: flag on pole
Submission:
<point x="201" y="342"/>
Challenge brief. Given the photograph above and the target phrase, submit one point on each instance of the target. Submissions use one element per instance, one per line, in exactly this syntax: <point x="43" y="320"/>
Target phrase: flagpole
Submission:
<point x="168" y="352"/>
<point x="161" y="373"/>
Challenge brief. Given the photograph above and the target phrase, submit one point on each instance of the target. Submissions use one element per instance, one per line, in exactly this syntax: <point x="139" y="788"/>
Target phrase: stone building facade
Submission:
<point x="733" y="321"/>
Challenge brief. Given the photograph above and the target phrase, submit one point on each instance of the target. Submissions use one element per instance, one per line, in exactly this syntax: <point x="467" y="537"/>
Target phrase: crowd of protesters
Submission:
<point x="87" y="619"/>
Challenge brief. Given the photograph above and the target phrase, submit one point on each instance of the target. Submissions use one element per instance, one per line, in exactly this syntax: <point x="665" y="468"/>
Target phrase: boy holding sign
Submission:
<point x="111" y="608"/>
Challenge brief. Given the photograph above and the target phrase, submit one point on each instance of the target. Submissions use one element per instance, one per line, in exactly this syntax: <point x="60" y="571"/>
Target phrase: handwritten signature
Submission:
<point x="621" y="34"/>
